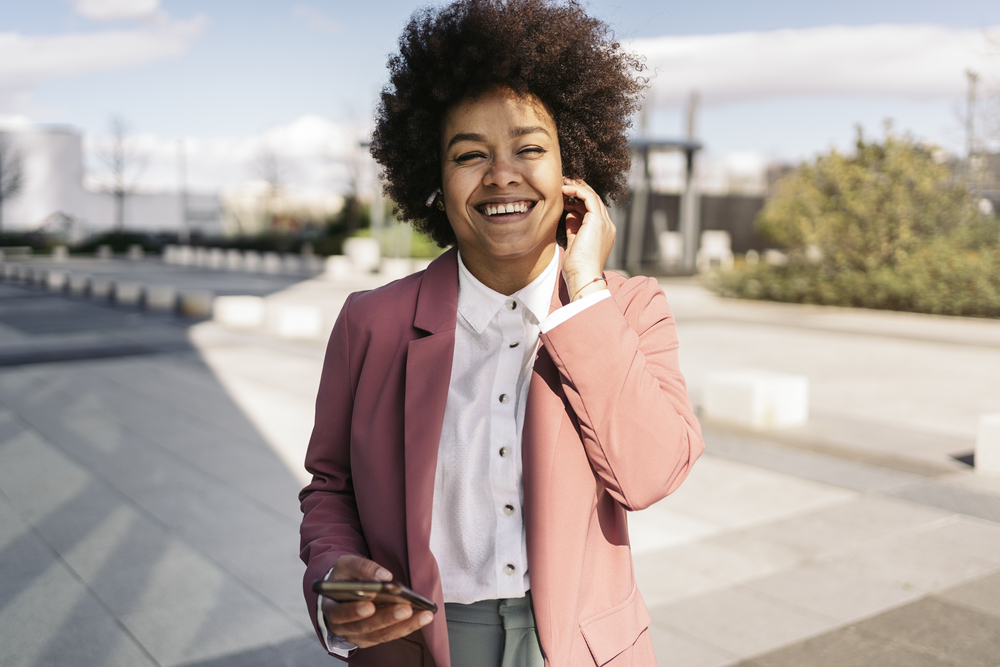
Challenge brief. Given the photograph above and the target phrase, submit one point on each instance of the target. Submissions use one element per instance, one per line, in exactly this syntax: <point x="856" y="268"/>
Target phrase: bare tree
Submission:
<point x="122" y="163"/>
<point x="11" y="173"/>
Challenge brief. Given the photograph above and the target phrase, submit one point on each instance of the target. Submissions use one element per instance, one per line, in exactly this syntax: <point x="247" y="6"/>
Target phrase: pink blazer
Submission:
<point x="608" y="428"/>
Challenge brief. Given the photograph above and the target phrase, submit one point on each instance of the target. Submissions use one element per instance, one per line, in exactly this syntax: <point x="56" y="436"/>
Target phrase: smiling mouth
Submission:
<point x="508" y="208"/>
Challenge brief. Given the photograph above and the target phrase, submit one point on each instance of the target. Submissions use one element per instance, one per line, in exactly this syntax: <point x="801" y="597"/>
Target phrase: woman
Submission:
<point x="483" y="426"/>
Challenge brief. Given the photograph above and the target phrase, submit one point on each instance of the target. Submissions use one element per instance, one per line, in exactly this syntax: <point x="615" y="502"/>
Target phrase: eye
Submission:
<point x="536" y="150"/>
<point x="466" y="157"/>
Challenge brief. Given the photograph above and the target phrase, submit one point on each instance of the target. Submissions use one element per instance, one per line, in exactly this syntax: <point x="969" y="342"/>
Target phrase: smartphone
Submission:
<point x="382" y="593"/>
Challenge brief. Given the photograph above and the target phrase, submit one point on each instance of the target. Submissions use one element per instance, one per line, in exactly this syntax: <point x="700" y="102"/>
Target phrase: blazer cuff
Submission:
<point x="560" y="315"/>
<point x="335" y="644"/>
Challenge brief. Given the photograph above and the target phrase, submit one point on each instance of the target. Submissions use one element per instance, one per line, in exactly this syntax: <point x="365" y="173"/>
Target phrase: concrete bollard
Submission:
<point x="201" y="257"/>
<point x="136" y="252"/>
<point x="758" y="399"/>
<point x="196" y="303"/>
<point x="365" y="253"/>
<point x="252" y="261"/>
<point x="291" y="264"/>
<point x="161" y="298"/>
<point x="60" y="253"/>
<point x="216" y="258"/>
<point x="11" y="272"/>
<point x="272" y="262"/>
<point x="241" y="312"/>
<point x="169" y="255"/>
<point x="295" y="321"/>
<point x="988" y="445"/>
<point x="234" y="260"/>
<point x="337" y="266"/>
<point x="127" y="293"/>
<point x="104" y="252"/>
<point x="100" y="288"/>
<point x="185" y="255"/>
<point x="56" y="281"/>
<point x="79" y="284"/>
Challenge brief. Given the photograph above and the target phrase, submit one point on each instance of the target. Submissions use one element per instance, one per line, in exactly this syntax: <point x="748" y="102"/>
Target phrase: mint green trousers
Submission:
<point x="493" y="633"/>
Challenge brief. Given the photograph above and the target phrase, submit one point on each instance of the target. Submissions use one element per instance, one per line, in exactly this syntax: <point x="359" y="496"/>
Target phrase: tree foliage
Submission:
<point x="888" y="226"/>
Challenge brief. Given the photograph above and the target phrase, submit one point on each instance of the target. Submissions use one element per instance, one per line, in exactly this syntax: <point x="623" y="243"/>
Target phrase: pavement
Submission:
<point x="149" y="468"/>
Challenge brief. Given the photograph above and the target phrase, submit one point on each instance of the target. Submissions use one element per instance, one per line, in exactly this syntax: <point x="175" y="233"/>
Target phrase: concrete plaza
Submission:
<point x="149" y="468"/>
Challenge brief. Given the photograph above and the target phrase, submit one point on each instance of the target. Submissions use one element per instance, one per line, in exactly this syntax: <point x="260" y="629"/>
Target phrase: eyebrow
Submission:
<point x="517" y="132"/>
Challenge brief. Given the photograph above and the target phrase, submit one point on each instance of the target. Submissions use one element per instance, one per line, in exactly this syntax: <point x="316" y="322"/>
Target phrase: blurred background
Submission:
<point x="186" y="200"/>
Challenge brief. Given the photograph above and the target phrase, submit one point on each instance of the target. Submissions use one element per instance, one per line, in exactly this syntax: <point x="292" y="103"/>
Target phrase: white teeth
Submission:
<point x="499" y="209"/>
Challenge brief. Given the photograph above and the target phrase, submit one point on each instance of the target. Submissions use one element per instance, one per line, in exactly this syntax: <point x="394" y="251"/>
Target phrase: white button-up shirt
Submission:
<point x="477" y="526"/>
<point x="477" y="521"/>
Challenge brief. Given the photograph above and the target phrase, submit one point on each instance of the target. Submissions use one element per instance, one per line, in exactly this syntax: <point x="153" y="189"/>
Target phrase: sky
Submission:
<point x="778" y="81"/>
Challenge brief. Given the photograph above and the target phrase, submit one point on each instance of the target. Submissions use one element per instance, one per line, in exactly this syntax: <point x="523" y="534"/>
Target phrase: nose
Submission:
<point x="502" y="172"/>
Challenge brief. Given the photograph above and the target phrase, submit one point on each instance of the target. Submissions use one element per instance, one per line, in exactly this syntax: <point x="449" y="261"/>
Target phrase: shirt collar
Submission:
<point x="479" y="304"/>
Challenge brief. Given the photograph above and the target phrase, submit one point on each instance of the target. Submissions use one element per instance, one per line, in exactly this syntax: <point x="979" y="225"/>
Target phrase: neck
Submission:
<point x="507" y="276"/>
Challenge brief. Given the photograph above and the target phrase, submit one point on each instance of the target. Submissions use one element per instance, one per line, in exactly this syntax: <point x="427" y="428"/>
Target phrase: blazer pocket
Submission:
<point x="609" y="633"/>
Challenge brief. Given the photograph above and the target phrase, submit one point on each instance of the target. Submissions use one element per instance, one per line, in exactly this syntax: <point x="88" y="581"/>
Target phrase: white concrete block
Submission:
<point x="79" y="284"/>
<point x="338" y="266"/>
<point x="216" y="258"/>
<point x="365" y="253"/>
<point x="243" y="312"/>
<point x="135" y="251"/>
<point x="671" y="248"/>
<point x="394" y="268"/>
<point x="100" y="288"/>
<point x="60" y="253"/>
<point x="295" y="321"/>
<point x="185" y="255"/>
<point x="715" y="251"/>
<point x="272" y="262"/>
<point x="196" y="303"/>
<point x="201" y="256"/>
<point x="234" y="260"/>
<point x="104" y="252"/>
<point x="161" y="298"/>
<point x="127" y="293"/>
<point x="758" y="399"/>
<point x="252" y="261"/>
<point x="291" y="264"/>
<point x="56" y="281"/>
<point x="988" y="445"/>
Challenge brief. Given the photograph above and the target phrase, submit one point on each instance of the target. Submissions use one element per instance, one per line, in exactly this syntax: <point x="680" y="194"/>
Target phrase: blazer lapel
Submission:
<point x="428" y="374"/>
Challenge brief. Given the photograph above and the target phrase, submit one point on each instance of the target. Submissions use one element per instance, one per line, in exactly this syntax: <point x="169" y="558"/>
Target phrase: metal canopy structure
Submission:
<point x="689" y="220"/>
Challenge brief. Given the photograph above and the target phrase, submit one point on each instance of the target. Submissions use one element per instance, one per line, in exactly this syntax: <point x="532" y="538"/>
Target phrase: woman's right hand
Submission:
<point x="360" y="622"/>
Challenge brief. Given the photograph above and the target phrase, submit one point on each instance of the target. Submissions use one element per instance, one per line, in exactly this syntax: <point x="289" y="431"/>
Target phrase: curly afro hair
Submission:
<point x="551" y="50"/>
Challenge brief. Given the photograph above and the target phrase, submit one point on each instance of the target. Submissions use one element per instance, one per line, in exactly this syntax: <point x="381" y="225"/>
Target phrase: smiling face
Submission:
<point x="502" y="182"/>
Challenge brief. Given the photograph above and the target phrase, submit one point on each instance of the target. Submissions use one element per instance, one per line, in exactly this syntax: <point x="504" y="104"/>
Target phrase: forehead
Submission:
<point x="496" y="108"/>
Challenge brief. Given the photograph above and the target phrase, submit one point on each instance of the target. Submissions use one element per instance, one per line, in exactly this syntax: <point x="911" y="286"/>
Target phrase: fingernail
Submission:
<point x="426" y="618"/>
<point x="401" y="613"/>
<point x="383" y="574"/>
<point x="366" y="610"/>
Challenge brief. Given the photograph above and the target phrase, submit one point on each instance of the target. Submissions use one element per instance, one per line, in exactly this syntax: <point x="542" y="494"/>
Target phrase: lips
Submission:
<point x="505" y="208"/>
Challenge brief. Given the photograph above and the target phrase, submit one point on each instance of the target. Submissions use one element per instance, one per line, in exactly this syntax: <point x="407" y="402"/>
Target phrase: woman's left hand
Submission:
<point x="590" y="235"/>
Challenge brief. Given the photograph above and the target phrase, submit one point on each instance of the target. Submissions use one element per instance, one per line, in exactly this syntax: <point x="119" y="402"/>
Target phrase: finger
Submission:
<point x="383" y="618"/>
<point x="356" y="568"/>
<point x="391" y="632"/>
<point x="346" y="612"/>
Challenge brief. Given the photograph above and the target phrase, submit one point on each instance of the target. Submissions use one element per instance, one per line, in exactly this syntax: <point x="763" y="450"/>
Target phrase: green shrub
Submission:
<point x="886" y="227"/>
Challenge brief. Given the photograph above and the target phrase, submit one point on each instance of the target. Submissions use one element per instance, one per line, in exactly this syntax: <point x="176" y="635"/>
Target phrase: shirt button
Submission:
<point x="508" y="569"/>
<point x="508" y="509"/>
<point x="504" y="398"/>
<point x="511" y="304"/>
<point x="504" y="451"/>
<point x="515" y="344"/>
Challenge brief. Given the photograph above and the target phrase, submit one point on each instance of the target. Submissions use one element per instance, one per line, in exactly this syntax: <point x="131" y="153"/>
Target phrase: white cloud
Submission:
<point x="316" y="19"/>
<point x="116" y="10"/>
<point x="26" y="61"/>
<point x="921" y="62"/>
<point x="314" y="152"/>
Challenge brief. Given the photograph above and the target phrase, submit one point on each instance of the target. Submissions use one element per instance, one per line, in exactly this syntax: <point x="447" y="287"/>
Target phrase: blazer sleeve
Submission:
<point x="619" y="370"/>
<point x="331" y="526"/>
